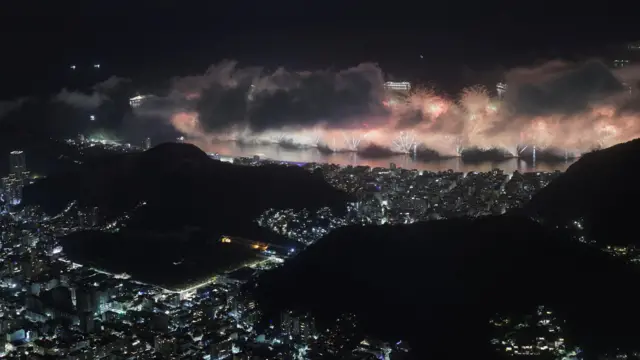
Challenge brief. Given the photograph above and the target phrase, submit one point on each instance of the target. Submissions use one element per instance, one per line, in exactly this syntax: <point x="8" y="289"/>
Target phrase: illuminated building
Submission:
<point x="81" y="219"/>
<point x="94" y="216"/>
<point x="87" y="322"/>
<point x="502" y="89"/>
<point x="147" y="144"/>
<point x="12" y="185"/>
<point x="299" y="326"/>
<point x="18" y="163"/>
<point x="138" y="100"/>
<point x="164" y="345"/>
<point x="620" y="63"/>
<point x="221" y="349"/>
<point x="397" y="86"/>
<point x="12" y="189"/>
<point x="627" y="56"/>
<point x="634" y="46"/>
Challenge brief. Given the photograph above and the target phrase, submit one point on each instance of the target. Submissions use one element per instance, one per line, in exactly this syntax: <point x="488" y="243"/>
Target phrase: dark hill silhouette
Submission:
<point x="182" y="187"/>
<point x="602" y="189"/>
<point x="436" y="284"/>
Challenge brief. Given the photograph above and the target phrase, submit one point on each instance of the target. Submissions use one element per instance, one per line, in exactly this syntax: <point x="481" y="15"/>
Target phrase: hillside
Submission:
<point x="436" y="284"/>
<point x="44" y="155"/>
<point x="600" y="188"/>
<point x="182" y="187"/>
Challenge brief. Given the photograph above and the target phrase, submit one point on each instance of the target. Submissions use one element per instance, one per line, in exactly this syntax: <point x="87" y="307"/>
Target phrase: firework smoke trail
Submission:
<point x="351" y="141"/>
<point x="314" y="137"/>
<point x="457" y="144"/>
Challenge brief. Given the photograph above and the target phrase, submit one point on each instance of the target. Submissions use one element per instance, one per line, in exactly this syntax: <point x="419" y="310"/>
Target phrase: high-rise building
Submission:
<point x="620" y="63"/>
<point x="634" y="46"/>
<point x="12" y="189"/>
<point x="12" y="185"/>
<point x="146" y="144"/>
<point x="136" y="101"/>
<point x="87" y="322"/>
<point x="18" y="163"/>
<point x="86" y="299"/>
<point x="94" y="216"/>
<point x="164" y="345"/>
<point x="82" y="220"/>
<point x="398" y="86"/>
<point x="502" y="89"/>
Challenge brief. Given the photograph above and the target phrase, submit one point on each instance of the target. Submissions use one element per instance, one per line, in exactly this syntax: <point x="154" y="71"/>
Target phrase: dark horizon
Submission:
<point x="459" y="46"/>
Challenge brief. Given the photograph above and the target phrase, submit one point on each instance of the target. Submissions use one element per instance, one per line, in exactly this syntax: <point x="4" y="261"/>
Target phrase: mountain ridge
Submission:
<point x="182" y="186"/>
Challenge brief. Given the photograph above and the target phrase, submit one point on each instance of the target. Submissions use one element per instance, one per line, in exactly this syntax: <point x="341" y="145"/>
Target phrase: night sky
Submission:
<point x="460" y="43"/>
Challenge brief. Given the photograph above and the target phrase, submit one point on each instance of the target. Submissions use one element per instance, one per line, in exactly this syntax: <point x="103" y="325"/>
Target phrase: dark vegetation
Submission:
<point x="183" y="187"/>
<point x="600" y="188"/>
<point x="436" y="284"/>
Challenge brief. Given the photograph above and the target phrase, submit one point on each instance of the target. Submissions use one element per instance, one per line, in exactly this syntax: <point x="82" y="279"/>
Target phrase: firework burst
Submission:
<point x="405" y="142"/>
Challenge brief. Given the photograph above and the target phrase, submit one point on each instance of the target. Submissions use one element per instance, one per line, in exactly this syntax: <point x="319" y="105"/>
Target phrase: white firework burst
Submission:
<point x="405" y="142"/>
<point x="351" y="141"/>
<point x="276" y="139"/>
<point x="457" y="143"/>
<point x="315" y="138"/>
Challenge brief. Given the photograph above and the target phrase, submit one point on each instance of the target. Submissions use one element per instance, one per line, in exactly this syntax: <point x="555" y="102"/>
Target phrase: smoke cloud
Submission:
<point x="558" y="105"/>
<point x="7" y="107"/>
<point x="572" y="106"/>
<point x="226" y="96"/>
<point x="80" y="100"/>
<point x="93" y="100"/>
<point x="560" y="88"/>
